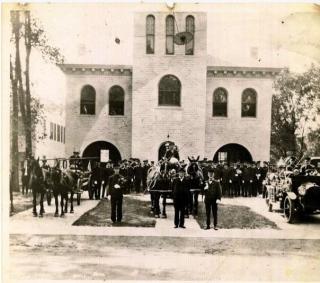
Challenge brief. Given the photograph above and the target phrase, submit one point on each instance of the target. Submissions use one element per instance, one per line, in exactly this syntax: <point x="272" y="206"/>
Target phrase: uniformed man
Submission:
<point x="138" y="174"/>
<point x="225" y="180"/>
<point x="307" y="167"/>
<point x="237" y="179"/>
<point x="253" y="177"/>
<point x="260" y="177"/>
<point x="115" y="190"/>
<point x="181" y="187"/>
<point x="212" y="192"/>
<point x="96" y="180"/>
<point x="246" y="184"/>
<point x="232" y="180"/>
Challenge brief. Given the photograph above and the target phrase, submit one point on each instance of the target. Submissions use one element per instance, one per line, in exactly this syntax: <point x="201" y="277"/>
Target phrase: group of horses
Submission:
<point x="53" y="181"/>
<point x="193" y="172"/>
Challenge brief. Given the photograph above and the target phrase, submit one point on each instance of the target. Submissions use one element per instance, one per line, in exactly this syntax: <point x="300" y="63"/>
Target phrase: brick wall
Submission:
<point x="252" y="133"/>
<point x="82" y="130"/>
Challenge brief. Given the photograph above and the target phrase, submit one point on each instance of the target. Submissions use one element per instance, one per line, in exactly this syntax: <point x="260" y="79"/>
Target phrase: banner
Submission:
<point x="104" y="155"/>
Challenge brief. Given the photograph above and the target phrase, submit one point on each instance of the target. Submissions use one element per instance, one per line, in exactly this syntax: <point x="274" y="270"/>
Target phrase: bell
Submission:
<point x="182" y="38"/>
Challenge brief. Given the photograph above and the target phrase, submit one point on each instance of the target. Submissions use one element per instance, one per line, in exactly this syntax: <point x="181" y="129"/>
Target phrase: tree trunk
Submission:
<point x="22" y="103"/>
<point x="14" y="149"/>
<point x="28" y="122"/>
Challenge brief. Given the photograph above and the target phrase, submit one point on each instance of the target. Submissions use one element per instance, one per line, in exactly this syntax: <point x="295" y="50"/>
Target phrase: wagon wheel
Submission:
<point x="289" y="210"/>
<point x="78" y="198"/>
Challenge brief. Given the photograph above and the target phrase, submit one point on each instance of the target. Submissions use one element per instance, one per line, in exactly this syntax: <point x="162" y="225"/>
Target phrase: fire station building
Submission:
<point x="170" y="93"/>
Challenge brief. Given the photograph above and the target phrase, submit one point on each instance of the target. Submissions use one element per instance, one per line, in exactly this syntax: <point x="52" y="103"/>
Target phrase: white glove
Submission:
<point x="95" y="182"/>
<point x="116" y="186"/>
<point x="218" y="200"/>
<point x="230" y="181"/>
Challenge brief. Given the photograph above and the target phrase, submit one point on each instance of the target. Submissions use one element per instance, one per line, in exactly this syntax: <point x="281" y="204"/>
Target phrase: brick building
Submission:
<point x="170" y="93"/>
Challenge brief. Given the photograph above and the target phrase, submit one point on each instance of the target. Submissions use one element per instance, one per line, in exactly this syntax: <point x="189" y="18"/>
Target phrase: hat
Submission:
<point x="211" y="170"/>
<point x="145" y="160"/>
<point x="182" y="170"/>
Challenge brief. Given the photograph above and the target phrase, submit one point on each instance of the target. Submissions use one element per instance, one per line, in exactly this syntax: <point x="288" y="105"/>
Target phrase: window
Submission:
<point x="170" y="35"/>
<point x="88" y="100"/>
<point x="190" y="28"/>
<point x="220" y="102"/>
<point x="116" y="100"/>
<point x="249" y="103"/>
<point x="150" y="31"/>
<point x="169" y="91"/>
<point x="54" y="132"/>
<point x="51" y="131"/>
<point x="58" y="133"/>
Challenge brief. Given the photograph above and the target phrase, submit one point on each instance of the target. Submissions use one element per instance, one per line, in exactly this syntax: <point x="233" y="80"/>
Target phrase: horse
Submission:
<point x="196" y="183"/>
<point x="37" y="186"/>
<point x="63" y="183"/>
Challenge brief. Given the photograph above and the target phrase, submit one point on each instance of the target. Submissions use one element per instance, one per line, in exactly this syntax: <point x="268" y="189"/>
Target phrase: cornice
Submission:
<point x="243" y="72"/>
<point x="104" y="70"/>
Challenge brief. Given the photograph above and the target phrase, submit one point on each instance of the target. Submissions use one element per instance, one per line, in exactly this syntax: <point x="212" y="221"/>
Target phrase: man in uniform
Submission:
<point x="181" y="187"/>
<point x="232" y="179"/>
<point x="260" y="177"/>
<point x="138" y="173"/>
<point x="115" y="190"/>
<point x="253" y="177"/>
<point x="246" y="184"/>
<point x="212" y="192"/>
<point x="225" y="180"/>
<point x="237" y="179"/>
<point x="307" y="168"/>
<point x="96" y="180"/>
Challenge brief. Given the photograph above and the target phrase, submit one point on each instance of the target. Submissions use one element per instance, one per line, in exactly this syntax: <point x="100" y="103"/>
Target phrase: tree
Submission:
<point x="14" y="158"/>
<point x="34" y="36"/>
<point x="295" y="108"/>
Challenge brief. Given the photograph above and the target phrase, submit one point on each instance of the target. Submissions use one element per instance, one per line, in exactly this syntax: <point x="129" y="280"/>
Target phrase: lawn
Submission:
<point x="235" y="217"/>
<point x="136" y="213"/>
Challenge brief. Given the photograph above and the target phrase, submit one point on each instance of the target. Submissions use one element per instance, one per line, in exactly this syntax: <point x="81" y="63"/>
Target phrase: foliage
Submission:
<point x="295" y="109"/>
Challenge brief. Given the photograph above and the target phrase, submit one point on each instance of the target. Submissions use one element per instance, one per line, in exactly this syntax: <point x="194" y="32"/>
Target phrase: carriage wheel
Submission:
<point x="289" y="210"/>
<point x="49" y="197"/>
<point x="78" y="198"/>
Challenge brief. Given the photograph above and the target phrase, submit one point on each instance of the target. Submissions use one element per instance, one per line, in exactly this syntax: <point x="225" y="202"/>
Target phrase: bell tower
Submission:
<point x="169" y="82"/>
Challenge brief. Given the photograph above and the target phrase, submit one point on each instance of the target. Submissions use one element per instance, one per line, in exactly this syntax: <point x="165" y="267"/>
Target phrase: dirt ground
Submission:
<point x="162" y="258"/>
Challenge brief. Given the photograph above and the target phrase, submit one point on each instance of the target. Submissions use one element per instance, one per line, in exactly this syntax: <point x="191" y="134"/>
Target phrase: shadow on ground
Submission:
<point x="236" y="217"/>
<point x="136" y="213"/>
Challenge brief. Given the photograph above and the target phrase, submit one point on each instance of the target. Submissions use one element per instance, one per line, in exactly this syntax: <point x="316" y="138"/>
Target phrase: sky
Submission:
<point x="247" y="34"/>
<point x="259" y="35"/>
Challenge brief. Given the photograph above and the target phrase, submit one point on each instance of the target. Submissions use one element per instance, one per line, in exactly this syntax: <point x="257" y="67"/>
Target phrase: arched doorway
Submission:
<point x="93" y="150"/>
<point x="232" y="152"/>
<point x="163" y="148"/>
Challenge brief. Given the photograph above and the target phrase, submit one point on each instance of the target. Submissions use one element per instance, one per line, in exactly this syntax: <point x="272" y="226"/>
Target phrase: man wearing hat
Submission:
<point x="212" y="192"/>
<point x="115" y="190"/>
<point x="307" y="167"/>
<point x="181" y="188"/>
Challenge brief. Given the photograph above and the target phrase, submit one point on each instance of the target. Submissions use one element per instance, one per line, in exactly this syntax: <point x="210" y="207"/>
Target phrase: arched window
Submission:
<point x="88" y="100"/>
<point x="169" y="91"/>
<point x="249" y="103"/>
<point x="190" y="28"/>
<point x="116" y="100"/>
<point x="220" y="102"/>
<point x="150" y="31"/>
<point x="169" y="35"/>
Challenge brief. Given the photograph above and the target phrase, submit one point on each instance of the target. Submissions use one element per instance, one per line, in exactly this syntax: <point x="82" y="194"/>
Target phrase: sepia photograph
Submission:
<point x="169" y="141"/>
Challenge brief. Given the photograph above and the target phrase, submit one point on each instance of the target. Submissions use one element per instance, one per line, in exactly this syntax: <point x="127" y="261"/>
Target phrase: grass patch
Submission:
<point x="235" y="217"/>
<point x="22" y="202"/>
<point x="135" y="214"/>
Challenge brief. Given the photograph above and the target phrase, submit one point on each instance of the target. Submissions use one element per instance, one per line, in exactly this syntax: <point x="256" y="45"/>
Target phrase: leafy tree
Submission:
<point x="295" y="111"/>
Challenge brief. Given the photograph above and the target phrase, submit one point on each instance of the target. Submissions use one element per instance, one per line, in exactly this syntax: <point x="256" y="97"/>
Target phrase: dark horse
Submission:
<point x="63" y="183"/>
<point x="36" y="184"/>
<point x="196" y="184"/>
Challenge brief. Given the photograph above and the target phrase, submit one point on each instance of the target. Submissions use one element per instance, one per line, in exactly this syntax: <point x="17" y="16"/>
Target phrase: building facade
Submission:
<point x="170" y="93"/>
